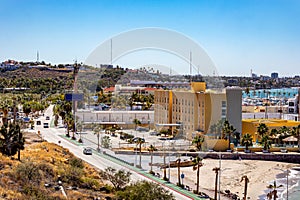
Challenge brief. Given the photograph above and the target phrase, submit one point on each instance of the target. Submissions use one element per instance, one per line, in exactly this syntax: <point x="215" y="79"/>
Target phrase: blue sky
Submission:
<point x="238" y="35"/>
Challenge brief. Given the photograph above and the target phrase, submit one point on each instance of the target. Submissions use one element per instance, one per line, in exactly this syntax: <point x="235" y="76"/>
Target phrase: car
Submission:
<point x="154" y="133"/>
<point x="87" y="151"/>
<point x="137" y="138"/>
<point x="46" y="125"/>
<point x="47" y="118"/>
<point x="38" y="122"/>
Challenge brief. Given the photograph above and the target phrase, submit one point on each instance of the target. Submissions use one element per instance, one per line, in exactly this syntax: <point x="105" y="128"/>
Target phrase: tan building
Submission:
<point x="197" y="109"/>
<point x="250" y="125"/>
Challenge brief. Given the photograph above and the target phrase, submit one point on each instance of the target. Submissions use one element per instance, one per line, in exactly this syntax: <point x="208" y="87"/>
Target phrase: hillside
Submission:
<point x="43" y="73"/>
<point x="42" y="166"/>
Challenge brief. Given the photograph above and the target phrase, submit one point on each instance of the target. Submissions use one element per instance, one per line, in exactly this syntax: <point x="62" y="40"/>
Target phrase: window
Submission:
<point x="291" y="104"/>
<point x="223" y="104"/>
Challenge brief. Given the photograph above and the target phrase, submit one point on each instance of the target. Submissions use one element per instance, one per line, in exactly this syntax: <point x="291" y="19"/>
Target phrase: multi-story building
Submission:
<point x="274" y="75"/>
<point x="196" y="110"/>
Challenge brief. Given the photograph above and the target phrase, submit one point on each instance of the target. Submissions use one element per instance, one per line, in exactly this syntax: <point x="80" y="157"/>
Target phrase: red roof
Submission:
<point x="110" y="89"/>
<point x="150" y="89"/>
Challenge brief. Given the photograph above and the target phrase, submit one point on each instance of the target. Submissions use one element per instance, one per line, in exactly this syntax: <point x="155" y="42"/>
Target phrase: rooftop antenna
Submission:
<point x="190" y="66"/>
<point x="37" y="56"/>
<point x="111" y="51"/>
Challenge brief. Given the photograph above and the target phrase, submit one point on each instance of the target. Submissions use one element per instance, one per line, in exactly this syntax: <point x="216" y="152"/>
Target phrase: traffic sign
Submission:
<point x="74" y="97"/>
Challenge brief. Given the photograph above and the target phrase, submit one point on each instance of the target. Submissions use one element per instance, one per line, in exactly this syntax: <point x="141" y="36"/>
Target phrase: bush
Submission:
<point x="89" y="183"/>
<point x="144" y="190"/>
<point x="76" y="162"/>
<point x="28" y="172"/>
<point x="36" y="193"/>
<point x="72" y="175"/>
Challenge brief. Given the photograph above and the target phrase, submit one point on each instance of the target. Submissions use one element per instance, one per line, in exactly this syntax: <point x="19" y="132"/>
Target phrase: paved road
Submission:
<point x="102" y="161"/>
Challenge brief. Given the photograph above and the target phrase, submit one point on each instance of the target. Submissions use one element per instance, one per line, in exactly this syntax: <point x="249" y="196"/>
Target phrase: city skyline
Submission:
<point x="237" y="35"/>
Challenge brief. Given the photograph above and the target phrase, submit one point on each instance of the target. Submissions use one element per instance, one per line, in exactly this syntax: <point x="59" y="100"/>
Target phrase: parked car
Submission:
<point x="87" y="151"/>
<point x="47" y="118"/>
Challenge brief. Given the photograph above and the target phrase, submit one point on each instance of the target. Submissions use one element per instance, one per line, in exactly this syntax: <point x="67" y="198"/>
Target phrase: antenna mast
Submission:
<point x="190" y="66"/>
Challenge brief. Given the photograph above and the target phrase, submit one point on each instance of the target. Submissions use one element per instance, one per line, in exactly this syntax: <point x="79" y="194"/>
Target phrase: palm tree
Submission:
<point x="178" y="171"/>
<point x="139" y="142"/>
<point x="284" y="132"/>
<point x="68" y="119"/>
<point x="296" y="133"/>
<point x="97" y="130"/>
<point x="216" y="169"/>
<point x="198" y="141"/>
<point x="136" y="122"/>
<point x="273" y="192"/>
<point x="79" y="126"/>
<point x="246" y="186"/>
<point x="265" y="141"/>
<point x="262" y="129"/>
<point x="247" y="91"/>
<point x="197" y="163"/>
<point x="228" y="130"/>
<point x="247" y="141"/>
<point x="151" y="148"/>
<point x="273" y="134"/>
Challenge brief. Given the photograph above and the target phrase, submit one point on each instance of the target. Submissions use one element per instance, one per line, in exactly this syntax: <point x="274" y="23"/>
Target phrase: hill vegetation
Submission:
<point x="41" y="168"/>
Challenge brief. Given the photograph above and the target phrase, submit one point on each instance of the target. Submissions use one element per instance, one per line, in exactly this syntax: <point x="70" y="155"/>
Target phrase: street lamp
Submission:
<point x="287" y="181"/>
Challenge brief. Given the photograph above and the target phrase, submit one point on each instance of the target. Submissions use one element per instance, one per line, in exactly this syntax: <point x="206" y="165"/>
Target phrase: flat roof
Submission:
<point x="105" y="123"/>
<point x="168" y="124"/>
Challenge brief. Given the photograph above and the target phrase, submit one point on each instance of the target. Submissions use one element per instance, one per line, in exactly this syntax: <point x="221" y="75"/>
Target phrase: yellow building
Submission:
<point x="196" y="109"/>
<point x="250" y="125"/>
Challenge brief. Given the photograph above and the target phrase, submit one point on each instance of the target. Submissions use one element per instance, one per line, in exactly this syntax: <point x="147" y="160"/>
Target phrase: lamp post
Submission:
<point x="220" y="165"/>
<point x="287" y="181"/>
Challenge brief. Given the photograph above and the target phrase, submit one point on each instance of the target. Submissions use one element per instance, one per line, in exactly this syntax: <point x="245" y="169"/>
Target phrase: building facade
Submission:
<point x="198" y="109"/>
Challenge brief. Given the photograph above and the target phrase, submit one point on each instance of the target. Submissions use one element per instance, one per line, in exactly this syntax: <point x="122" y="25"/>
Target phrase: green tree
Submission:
<point x="144" y="190"/>
<point x="79" y="127"/>
<point x="197" y="163"/>
<point x="247" y="140"/>
<point x="262" y="129"/>
<point x="198" y="141"/>
<point x="139" y="142"/>
<point x="296" y="133"/>
<point x="69" y="121"/>
<point x="228" y="130"/>
<point x="136" y="122"/>
<point x="151" y="148"/>
<point x="266" y="143"/>
<point x="273" y="193"/>
<point x="11" y="140"/>
<point x="97" y="131"/>
<point x="118" y="178"/>
<point x="105" y="142"/>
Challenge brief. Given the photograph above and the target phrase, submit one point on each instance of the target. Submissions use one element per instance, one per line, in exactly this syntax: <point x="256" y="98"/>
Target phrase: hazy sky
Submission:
<point x="238" y="35"/>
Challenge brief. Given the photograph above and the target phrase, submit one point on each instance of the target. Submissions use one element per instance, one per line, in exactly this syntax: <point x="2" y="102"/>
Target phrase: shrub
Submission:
<point x="76" y="162"/>
<point x="89" y="183"/>
<point x="72" y="175"/>
<point x="28" y="172"/>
